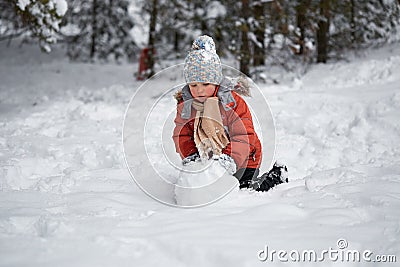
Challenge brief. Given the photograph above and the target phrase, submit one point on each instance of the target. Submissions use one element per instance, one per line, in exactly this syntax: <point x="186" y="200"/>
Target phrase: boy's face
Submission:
<point x="201" y="91"/>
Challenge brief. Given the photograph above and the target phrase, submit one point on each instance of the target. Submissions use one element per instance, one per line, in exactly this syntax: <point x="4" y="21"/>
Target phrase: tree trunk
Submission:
<point x="259" y="48"/>
<point x="94" y="30"/>
<point x="151" y="43"/>
<point x="274" y="12"/>
<point x="352" y="22"/>
<point x="301" y="10"/>
<point x="176" y="41"/>
<point x="322" y="33"/>
<point x="176" y="35"/>
<point x="245" y="48"/>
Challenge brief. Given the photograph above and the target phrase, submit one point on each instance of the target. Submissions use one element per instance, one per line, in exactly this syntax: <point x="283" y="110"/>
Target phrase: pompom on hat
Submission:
<point x="202" y="64"/>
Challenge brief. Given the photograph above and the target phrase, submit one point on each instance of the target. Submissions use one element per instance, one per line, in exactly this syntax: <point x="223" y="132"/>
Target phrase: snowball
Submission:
<point x="202" y="183"/>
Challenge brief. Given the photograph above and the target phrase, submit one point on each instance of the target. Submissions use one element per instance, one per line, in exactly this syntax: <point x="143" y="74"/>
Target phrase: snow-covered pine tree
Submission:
<point x="181" y="21"/>
<point x="236" y="31"/>
<point x="375" y="21"/>
<point x="258" y="39"/>
<point x="11" y="24"/>
<point x="103" y="30"/>
<point x="34" y="18"/>
<point x="287" y="31"/>
<point x="347" y="24"/>
<point x="175" y="27"/>
<point x="359" y="24"/>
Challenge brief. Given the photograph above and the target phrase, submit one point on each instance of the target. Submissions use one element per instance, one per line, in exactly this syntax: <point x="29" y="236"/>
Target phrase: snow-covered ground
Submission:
<point x="67" y="198"/>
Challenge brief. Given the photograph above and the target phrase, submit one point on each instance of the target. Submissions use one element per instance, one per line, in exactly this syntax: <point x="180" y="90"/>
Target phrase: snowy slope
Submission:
<point x="67" y="199"/>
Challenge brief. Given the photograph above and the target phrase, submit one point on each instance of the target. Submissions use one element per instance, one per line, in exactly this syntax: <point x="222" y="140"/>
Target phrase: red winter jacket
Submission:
<point x="244" y="147"/>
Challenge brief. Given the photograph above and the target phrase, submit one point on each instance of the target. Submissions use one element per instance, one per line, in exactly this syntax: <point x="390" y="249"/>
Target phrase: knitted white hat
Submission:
<point x="202" y="64"/>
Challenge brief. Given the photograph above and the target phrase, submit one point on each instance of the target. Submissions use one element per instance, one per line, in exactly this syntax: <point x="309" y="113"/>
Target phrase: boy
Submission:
<point x="213" y="121"/>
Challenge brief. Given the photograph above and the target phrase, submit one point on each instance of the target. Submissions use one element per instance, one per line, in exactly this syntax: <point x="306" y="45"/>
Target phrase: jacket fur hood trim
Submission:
<point x="240" y="85"/>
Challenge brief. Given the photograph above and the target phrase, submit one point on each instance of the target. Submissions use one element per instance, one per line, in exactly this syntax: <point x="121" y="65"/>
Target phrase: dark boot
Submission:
<point x="277" y="175"/>
<point x="246" y="176"/>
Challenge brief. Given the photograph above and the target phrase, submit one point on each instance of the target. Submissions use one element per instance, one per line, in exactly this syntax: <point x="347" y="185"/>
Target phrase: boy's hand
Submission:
<point x="192" y="158"/>
<point x="228" y="163"/>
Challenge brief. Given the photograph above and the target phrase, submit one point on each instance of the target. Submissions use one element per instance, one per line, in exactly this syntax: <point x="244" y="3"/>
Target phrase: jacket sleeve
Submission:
<point x="183" y="134"/>
<point x="242" y="146"/>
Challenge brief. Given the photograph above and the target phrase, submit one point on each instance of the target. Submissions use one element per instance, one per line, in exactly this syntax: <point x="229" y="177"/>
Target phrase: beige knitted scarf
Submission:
<point x="209" y="133"/>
